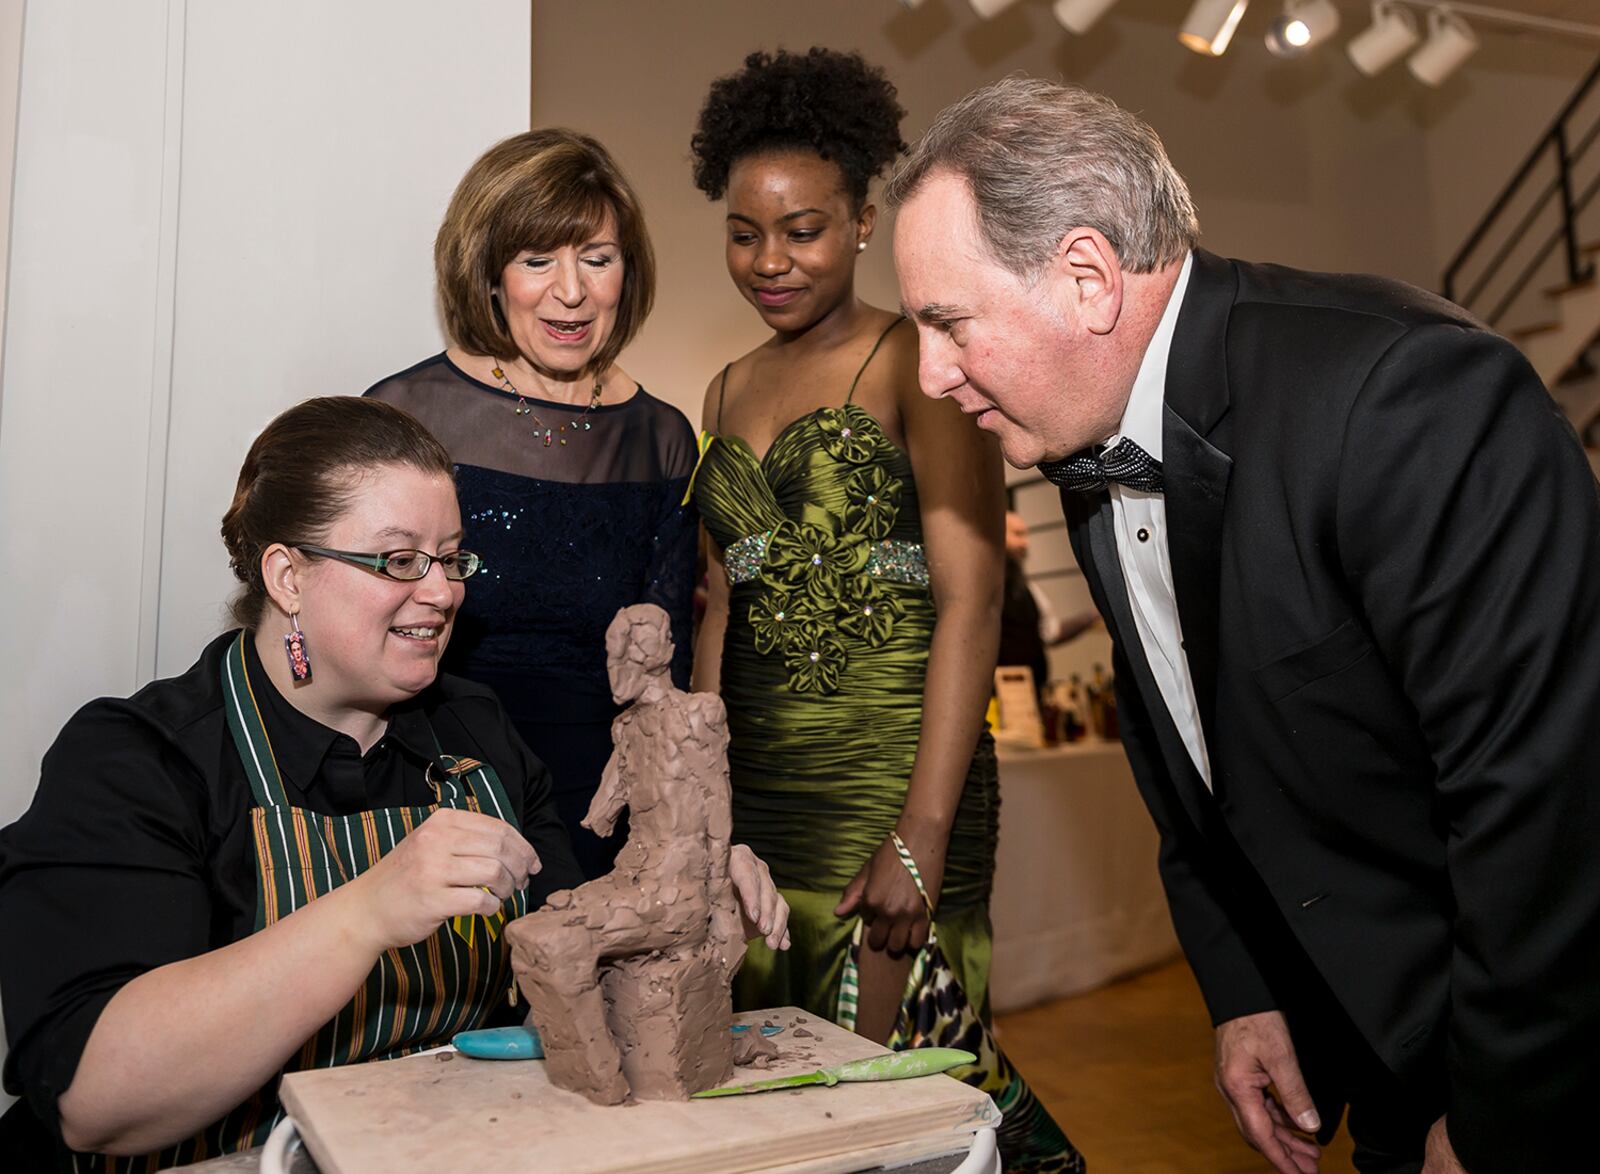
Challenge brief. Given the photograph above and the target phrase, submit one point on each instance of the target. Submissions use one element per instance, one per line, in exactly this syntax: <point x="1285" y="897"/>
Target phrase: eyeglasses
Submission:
<point x="406" y="565"/>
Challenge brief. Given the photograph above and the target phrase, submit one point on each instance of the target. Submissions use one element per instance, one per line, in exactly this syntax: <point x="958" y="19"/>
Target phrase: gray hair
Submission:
<point x="1041" y="159"/>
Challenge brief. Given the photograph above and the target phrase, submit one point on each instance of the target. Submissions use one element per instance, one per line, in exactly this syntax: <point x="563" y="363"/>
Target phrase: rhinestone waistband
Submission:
<point x="891" y="559"/>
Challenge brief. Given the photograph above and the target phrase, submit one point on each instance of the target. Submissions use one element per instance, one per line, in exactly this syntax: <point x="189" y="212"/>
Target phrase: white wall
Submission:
<point x="220" y="208"/>
<point x="10" y="83"/>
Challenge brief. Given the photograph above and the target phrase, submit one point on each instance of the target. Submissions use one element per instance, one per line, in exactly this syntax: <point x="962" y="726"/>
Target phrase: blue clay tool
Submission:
<point x="500" y="1043"/>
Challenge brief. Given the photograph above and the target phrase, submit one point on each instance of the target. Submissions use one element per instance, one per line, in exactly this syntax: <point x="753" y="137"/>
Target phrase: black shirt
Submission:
<point x="1020" y="641"/>
<point x="137" y="849"/>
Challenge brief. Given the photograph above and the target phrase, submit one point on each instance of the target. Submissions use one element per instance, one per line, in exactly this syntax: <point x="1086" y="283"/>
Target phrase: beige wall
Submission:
<point x="1306" y="163"/>
<point x="1477" y="132"/>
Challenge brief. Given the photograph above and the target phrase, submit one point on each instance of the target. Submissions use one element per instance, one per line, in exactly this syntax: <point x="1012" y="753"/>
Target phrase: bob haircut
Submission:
<point x="545" y="189"/>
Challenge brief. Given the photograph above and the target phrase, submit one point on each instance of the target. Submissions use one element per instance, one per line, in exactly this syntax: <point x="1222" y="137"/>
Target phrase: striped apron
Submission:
<point x="416" y="997"/>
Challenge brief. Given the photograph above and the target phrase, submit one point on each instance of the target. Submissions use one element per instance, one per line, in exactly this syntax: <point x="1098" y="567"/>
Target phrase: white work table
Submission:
<point x="1077" y="899"/>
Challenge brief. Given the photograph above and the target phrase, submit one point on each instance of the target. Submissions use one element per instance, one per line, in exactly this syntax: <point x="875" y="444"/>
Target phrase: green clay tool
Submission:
<point x="895" y="1066"/>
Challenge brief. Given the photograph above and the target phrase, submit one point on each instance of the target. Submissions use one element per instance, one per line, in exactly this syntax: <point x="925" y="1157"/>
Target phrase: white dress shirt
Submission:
<point x="1140" y="520"/>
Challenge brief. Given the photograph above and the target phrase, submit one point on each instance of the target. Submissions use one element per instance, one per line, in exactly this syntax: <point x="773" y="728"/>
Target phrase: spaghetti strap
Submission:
<point x="722" y="394"/>
<point x="854" y="382"/>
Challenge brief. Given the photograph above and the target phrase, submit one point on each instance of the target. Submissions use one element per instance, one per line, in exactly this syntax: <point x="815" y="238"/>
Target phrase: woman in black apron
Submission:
<point x="300" y="852"/>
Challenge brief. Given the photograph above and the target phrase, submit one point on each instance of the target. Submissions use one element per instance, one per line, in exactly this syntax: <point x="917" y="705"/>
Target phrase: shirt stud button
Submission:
<point x="1143" y="534"/>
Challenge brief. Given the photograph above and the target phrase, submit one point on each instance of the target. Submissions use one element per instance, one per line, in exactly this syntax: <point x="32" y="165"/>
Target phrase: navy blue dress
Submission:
<point x="569" y="534"/>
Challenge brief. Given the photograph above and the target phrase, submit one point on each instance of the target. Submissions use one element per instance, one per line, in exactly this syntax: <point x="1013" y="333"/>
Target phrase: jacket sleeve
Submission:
<point x="1228" y="976"/>
<point x="1469" y="529"/>
<point x="106" y="877"/>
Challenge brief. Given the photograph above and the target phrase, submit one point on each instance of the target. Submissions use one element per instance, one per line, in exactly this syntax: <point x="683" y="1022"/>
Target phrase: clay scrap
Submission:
<point x="753" y="1050"/>
<point x="628" y="977"/>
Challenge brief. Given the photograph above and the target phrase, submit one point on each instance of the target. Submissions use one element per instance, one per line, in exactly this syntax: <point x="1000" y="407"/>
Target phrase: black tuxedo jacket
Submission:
<point x="1385" y="547"/>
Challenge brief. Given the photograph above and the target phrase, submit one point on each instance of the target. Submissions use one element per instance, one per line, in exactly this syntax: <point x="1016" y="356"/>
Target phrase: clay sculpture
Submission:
<point x="627" y="977"/>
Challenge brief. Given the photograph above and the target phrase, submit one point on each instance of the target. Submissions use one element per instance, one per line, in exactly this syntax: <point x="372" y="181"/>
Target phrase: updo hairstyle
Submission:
<point x="824" y="101"/>
<point x="299" y="476"/>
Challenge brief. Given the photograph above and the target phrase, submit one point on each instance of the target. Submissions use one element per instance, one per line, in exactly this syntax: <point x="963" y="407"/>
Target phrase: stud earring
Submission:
<point x="861" y="246"/>
<point x="294" y="646"/>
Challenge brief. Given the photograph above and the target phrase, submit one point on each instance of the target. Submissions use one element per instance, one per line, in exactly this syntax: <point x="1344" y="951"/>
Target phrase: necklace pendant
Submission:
<point x="547" y="438"/>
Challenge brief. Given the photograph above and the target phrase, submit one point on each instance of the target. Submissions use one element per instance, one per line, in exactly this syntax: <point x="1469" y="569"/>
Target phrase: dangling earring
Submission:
<point x="294" y="645"/>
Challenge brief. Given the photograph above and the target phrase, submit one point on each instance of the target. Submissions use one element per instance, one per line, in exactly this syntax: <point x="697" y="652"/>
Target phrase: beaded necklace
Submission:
<point x="541" y="429"/>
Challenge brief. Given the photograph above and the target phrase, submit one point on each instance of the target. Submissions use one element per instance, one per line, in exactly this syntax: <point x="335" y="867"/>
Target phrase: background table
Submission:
<point x="1077" y="900"/>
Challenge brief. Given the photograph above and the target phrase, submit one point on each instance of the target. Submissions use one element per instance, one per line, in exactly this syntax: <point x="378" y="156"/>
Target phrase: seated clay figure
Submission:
<point x="627" y="977"/>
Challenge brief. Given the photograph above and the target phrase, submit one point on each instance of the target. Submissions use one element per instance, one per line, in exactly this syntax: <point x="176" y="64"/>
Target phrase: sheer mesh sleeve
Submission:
<point x="670" y="581"/>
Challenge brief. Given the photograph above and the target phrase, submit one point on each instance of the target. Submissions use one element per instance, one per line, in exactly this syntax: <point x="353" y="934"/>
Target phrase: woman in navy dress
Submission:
<point x="571" y="476"/>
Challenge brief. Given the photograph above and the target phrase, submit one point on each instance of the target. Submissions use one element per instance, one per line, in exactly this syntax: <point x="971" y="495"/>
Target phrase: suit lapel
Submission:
<point x="1105" y="574"/>
<point x="1196" y="477"/>
<point x="1196" y="471"/>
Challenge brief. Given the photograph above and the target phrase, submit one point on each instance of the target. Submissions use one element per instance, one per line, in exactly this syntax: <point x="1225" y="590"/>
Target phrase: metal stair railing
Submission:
<point x="1565" y="145"/>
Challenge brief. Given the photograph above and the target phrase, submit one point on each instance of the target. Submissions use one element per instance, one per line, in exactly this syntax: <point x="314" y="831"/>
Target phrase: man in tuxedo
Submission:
<point x="1349" y="553"/>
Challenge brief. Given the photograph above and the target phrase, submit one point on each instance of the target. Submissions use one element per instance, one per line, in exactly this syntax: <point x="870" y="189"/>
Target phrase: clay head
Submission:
<point x="638" y="648"/>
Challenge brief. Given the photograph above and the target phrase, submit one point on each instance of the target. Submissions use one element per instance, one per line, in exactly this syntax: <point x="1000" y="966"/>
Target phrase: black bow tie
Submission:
<point x="1089" y="472"/>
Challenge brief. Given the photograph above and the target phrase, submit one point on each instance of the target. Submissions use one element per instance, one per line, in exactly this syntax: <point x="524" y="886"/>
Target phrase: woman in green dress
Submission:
<point x="856" y="558"/>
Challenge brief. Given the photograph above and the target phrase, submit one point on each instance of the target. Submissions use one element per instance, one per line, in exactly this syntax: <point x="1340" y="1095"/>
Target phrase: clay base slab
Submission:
<point x="427" y="1114"/>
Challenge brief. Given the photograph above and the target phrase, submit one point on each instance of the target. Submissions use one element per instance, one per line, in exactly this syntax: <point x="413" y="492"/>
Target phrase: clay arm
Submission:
<point x="708" y="726"/>
<point x="762" y="910"/>
<point x="609" y="799"/>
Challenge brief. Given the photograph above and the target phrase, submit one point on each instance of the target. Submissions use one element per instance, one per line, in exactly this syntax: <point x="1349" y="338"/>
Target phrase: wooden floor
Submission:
<point x="1126" y="1070"/>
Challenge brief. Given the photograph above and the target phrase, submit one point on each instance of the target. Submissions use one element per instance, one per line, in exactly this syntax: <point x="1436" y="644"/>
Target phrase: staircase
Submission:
<point x="1531" y="269"/>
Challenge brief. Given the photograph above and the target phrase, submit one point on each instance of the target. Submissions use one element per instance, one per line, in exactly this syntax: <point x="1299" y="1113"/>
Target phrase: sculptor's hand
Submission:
<point x="765" y="912"/>
<point x="886" y="898"/>
<point x="455" y="863"/>
<point x="1440" y="1157"/>
<point x="1254" y="1058"/>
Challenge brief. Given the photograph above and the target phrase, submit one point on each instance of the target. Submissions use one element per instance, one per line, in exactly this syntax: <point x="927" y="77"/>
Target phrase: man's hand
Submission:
<point x="1440" y="1157"/>
<point x="1255" y="1058"/>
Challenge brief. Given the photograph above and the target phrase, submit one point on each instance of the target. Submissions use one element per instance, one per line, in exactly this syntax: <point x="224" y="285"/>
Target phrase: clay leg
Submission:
<point x="670" y="1015"/>
<point x="555" y="965"/>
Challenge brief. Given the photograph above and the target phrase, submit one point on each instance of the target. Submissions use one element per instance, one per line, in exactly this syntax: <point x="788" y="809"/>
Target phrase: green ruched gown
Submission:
<point x="829" y="622"/>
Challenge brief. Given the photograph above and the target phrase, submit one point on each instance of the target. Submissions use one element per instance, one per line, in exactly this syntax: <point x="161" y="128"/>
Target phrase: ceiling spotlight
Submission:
<point x="1209" y="26"/>
<point x="1303" y="25"/>
<point x="1450" y="42"/>
<point x="1388" y="38"/>
<point x="988" y="8"/>
<point x="1079" y="16"/>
